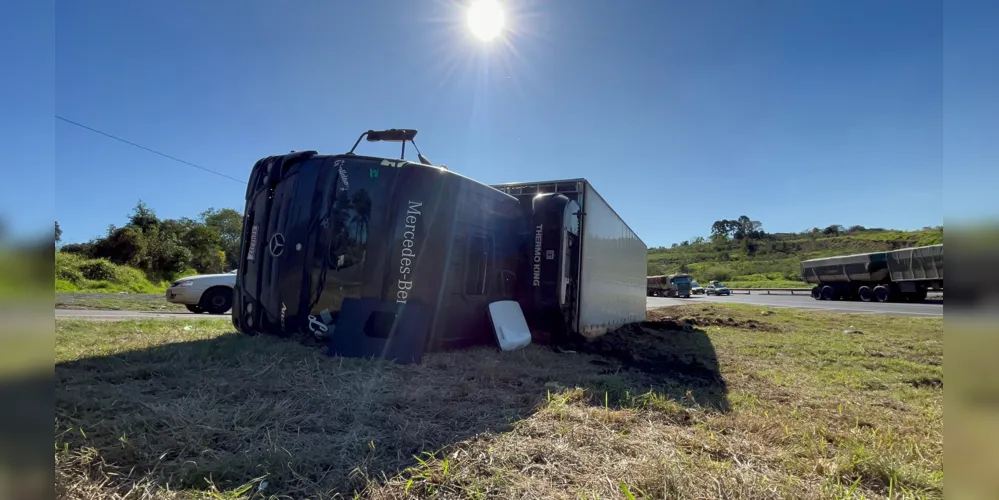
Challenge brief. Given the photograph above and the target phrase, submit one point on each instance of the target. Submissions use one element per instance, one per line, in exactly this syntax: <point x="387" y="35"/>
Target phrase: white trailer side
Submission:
<point x="613" y="259"/>
<point x="612" y="290"/>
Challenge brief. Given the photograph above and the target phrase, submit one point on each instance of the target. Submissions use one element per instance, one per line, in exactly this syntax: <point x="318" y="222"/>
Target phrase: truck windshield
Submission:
<point x="352" y="200"/>
<point x="681" y="280"/>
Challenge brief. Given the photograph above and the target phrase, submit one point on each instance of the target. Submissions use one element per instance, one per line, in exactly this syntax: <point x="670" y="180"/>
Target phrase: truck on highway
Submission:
<point x="586" y="266"/>
<point x="399" y="258"/>
<point x="898" y="275"/>
<point x="669" y="285"/>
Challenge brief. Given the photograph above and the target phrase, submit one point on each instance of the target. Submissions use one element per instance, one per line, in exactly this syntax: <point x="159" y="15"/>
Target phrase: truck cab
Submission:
<point x="376" y="249"/>
<point x="679" y="285"/>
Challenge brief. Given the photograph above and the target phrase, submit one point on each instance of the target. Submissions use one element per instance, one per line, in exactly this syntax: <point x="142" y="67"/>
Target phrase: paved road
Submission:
<point x="97" y="314"/>
<point x="795" y="301"/>
<point x="929" y="309"/>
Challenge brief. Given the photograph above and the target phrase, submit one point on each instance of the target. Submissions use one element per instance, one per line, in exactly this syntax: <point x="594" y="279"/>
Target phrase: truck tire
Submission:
<point x="881" y="293"/>
<point x="816" y="292"/>
<point x="865" y="294"/>
<point x="828" y="293"/>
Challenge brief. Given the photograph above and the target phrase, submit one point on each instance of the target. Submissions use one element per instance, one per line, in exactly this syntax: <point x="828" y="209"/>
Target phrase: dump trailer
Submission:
<point x="585" y="267"/>
<point x="396" y="257"/>
<point x="898" y="275"/>
<point x="656" y="286"/>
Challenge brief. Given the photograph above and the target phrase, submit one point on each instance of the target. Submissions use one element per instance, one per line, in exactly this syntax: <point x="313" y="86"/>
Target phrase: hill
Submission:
<point x="742" y="255"/>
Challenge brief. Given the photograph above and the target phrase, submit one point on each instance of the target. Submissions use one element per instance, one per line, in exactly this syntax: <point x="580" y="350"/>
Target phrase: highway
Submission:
<point x="925" y="309"/>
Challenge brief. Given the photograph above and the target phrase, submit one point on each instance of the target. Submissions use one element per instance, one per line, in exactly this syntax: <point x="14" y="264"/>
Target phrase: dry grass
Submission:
<point x="790" y="406"/>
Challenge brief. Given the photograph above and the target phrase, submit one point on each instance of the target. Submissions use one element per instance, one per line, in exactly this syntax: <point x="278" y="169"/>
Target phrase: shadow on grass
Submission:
<point x="234" y="408"/>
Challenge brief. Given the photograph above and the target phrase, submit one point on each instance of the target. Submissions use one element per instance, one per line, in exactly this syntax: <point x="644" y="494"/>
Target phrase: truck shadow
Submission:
<point x="234" y="408"/>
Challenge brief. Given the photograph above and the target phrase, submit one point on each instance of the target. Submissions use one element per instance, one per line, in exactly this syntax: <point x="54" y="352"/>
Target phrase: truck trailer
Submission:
<point x="586" y="267"/>
<point x="390" y="258"/>
<point x="898" y="275"/>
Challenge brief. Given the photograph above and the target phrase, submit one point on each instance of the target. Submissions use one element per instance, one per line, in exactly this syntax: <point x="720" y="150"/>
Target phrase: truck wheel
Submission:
<point x="828" y="293"/>
<point x="881" y="293"/>
<point x="865" y="293"/>
<point x="816" y="293"/>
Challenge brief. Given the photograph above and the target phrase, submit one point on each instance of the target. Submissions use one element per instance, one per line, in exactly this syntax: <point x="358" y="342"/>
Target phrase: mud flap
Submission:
<point x="372" y="328"/>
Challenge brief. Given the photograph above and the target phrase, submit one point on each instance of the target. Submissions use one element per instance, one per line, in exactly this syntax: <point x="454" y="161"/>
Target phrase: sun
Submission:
<point x="485" y="19"/>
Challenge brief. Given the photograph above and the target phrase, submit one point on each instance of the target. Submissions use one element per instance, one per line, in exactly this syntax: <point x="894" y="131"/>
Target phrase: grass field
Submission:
<point x="118" y="302"/>
<point x="706" y="401"/>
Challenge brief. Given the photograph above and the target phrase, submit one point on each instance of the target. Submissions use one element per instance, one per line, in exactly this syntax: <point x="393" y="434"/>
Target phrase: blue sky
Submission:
<point x="798" y="114"/>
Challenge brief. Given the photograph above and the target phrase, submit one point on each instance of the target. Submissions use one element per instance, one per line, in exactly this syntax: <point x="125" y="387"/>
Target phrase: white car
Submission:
<point x="211" y="293"/>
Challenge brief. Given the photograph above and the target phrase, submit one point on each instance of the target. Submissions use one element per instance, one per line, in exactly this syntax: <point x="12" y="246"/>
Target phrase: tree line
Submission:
<point x="749" y="233"/>
<point x="164" y="248"/>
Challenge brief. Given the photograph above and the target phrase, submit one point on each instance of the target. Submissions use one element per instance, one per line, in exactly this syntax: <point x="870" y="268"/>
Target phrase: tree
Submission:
<point x="744" y="227"/>
<point x="83" y="249"/>
<point x="698" y="240"/>
<point x="229" y="224"/>
<point x="58" y="233"/>
<point x="143" y="217"/>
<point x="126" y="246"/>
<point x="205" y="243"/>
<point x="720" y="230"/>
<point x="833" y="230"/>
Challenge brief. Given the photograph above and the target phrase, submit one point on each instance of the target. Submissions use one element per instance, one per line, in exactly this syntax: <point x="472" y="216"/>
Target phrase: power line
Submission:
<point x="130" y="143"/>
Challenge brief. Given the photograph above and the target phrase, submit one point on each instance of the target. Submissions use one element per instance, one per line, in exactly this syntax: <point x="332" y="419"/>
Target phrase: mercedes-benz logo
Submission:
<point x="276" y="245"/>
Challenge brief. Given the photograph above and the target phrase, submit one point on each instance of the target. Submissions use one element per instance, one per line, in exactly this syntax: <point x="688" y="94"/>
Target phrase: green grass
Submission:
<point x="74" y="273"/>
<point x="118" y="302"/>
<point x="701" y="401"/>
<point x="776" y="262"/>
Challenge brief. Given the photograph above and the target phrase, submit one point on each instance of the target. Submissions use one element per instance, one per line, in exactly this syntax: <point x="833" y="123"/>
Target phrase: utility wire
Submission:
<point x="130" y="143"/>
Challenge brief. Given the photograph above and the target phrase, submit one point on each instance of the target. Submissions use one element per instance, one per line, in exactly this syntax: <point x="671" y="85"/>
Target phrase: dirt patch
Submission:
<point x="682" y="320"/>
<point x="927" y="382"/>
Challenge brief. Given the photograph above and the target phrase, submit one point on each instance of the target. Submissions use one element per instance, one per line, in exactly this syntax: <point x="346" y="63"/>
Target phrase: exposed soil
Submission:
<point x="678" y="320"/>
<point x="933" y="383"/>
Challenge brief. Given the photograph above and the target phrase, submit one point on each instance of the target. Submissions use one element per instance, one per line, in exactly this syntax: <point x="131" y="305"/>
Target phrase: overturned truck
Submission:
<point x="389" y="258"/>
<point x="896" y="276"/>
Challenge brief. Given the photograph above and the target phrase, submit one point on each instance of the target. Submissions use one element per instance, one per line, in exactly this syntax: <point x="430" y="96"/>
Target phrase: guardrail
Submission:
<point x="768" y="291"/>
<point x="805" y="291"/>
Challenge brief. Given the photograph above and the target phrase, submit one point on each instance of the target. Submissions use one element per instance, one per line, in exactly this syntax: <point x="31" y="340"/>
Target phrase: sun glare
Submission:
<point x="485" y="19"/>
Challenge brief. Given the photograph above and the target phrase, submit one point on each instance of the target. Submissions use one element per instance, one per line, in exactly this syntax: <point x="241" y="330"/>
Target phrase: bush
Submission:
<point x="74" y="273"/>
<point x="718" y="273"/>
<point x="67" y="268"/>
<point x="99" y="270"/>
